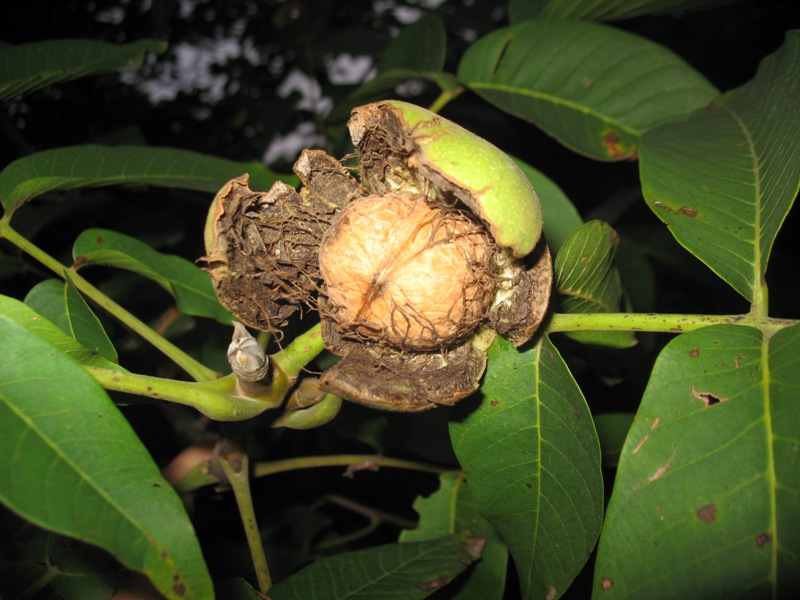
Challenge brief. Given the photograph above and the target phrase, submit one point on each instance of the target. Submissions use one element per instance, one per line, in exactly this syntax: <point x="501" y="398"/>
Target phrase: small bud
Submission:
<point x="309" y="407"/>
<point x="247" y="359"/>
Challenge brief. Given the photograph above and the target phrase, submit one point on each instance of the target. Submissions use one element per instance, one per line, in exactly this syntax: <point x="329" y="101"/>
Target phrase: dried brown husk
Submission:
<point x="265" y="267"/>
<point x="523" y="295"/>
<point x="264" y="258"/>
<point x="383" y="377"/>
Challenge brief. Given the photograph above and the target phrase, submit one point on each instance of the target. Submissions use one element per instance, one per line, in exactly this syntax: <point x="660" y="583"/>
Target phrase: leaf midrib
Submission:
<point x="47" y="441"/>
<point x="757" y="204"/>
<point x="558" y="101"/>
<point x="770" y="470"/>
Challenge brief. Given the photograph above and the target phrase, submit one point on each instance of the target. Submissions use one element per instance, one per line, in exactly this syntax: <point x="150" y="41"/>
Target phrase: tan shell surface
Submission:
<point x="401" y="271"/>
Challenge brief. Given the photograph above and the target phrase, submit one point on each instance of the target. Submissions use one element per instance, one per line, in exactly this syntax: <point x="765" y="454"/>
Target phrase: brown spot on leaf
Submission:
<point x="708" y="398"/>
<point x="529" y="485"/>
<point x="660" y="472"/>
<point x="694" y="352"/>
<point x="640" y="444"/>
<point x="430" y="586"/>
<point x="615" y="149"/>
<point x="494" y="402"/>
<point x="688" y="211"/>
<point x="707" y="514"/>
<point x="762" y="539"/>
<point x="606" y="583"/>
<point x="179" y="589"/>
<point x="551" y="593"/>
<point x="586" y="82"/>
<point x="100" y="239"/>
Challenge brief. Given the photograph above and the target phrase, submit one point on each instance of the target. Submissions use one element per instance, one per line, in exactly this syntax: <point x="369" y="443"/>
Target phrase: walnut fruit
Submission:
<point x="435" y="244"/>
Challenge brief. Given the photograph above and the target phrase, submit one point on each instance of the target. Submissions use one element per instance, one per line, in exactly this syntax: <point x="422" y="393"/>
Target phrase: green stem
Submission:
<point x="303" y="349"/>
<point x="354" y="462"/>
<point x="445" y="97"/>
<point x="201" y="476"/>
<point x="235" y="466"/>
<point x="666" y="323"/>
<point x="216" y="399"/>
<point x="195" y="369"/>
<point x="760" y="306"/>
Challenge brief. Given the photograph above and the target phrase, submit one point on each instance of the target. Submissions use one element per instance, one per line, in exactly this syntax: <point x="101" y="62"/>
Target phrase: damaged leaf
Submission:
<point x="406" y="571"/>
<point x="722" y="474"/>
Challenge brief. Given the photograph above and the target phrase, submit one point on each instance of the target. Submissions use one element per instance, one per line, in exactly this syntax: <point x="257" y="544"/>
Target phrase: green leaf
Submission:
<point x="59" y="302"/>
<point x="84" y="573"/>
<point x="404" y="571"/>
<point x="437" y="512"/>
<point x="594" y="88"/>
<point x="591" y="10"/>
<point x="94" y="166"/>
<point x="707" y="495"/>
<point x="29" y="67"/>
<point x="560" y="217"/>
<point x="70" y="463"/>
<point x="531" y="456"/>
<point x="588" y="282"/>
<point x="724" y="180"/>
<point x="421" y="46"/>
<point x="235" y="588"/>
<point x="451" y="509"/>
<point x="486" y="580"/>
<point x="189" y="284"/>
<point x="50" y="332"/>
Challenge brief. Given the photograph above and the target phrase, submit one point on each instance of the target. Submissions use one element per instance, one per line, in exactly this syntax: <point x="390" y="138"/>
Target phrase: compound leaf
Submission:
<point x="588" y="282"/>
<point x="531" y="457"/>
<point x="59" y="302"/>
<point x="29" y="67"/>
<point x="706" y="499"/>
<point x="70" y="463"/>
<point x="724" y="180"/>
<point x="399" y="571"/>
<point x="594" y="88"/>
<point x="190" y="285"/>
<point x="91" y="165"/>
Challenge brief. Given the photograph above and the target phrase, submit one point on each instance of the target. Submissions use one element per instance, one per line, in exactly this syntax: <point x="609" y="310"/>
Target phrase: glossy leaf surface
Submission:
<point x="588" y="282"/>
<point x="402" y="571"/>
<point x="48" y="331"/>
<point x="530" y="453"/>
<point x="594" y="88"/>
<point x="559" y="215"/>
<point x="724" y="180"/>
<point x="72" y="464"/>
<point x="707" y="496"/>
<point x="29" y="67"/>
<point x="451" y="509"/>
<point x="188" y="283"/>
<point x="61" y="303"/>
<point x="74" y="167"/>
